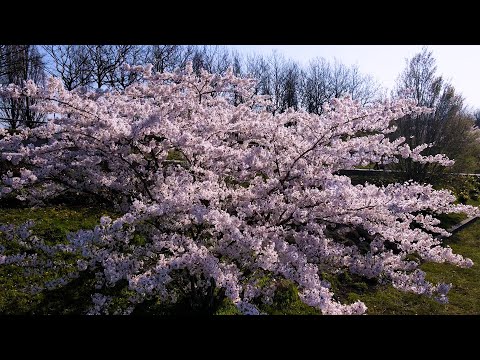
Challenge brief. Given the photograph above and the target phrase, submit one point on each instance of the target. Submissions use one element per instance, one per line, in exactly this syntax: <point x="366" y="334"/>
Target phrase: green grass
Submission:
<point x="175" y="155"/>
<point x="287" y="302"/>
<point x="473" y="202"/>
<point x="464" y="296"/>
<point x="55" y="222"/>
<point x="449" y="220"/>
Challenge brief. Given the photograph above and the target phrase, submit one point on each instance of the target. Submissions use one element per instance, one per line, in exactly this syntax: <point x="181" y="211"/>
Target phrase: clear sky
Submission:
<point x="458" y="64"/>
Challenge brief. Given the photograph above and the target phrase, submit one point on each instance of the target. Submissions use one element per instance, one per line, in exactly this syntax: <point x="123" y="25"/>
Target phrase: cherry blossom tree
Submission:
<point x="219" y="195"/>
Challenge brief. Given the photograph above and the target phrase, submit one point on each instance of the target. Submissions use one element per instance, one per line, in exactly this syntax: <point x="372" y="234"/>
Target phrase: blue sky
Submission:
<point x="459" y="64"/>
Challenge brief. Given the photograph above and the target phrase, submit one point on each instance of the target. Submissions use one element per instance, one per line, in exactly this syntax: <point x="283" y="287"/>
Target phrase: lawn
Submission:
<point x="52" y="223"/>
<point x="55" y="222"/>
<point x="464" y="296"/>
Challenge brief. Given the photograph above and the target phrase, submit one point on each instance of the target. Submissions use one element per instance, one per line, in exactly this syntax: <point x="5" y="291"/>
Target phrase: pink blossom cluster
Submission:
<point x="226" y="192"/>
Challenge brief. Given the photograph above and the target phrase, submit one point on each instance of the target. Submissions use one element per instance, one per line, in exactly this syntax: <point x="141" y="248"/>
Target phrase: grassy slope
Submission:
<point x="52" y="223"/>
<point x="56" y="222"/>
<point x="464" y="295"/>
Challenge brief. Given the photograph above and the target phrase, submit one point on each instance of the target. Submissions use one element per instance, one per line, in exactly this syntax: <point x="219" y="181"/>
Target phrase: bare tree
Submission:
<point x="323" y="81"/>
<point x="71" y="63"/>
<point x="277" y="77"/>
<point x="316" y="86"/>
<point x="277" y="62"/>
<point x="105" y="62"/>
<point x="20" y="63"/>
<point x="291" y="86"/>
<point x="169" y="57"/>
<point x="448" y="128"/>
<point x="237" y="63"/>
<point x="118" y="77"/>
<point x="213" y="58"/>
<point x="362" y="87"/>
<point x="257" y="67"/>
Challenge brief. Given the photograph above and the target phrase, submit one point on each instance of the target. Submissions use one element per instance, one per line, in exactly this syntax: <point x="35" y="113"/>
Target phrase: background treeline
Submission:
<point x="451" y="127"/>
